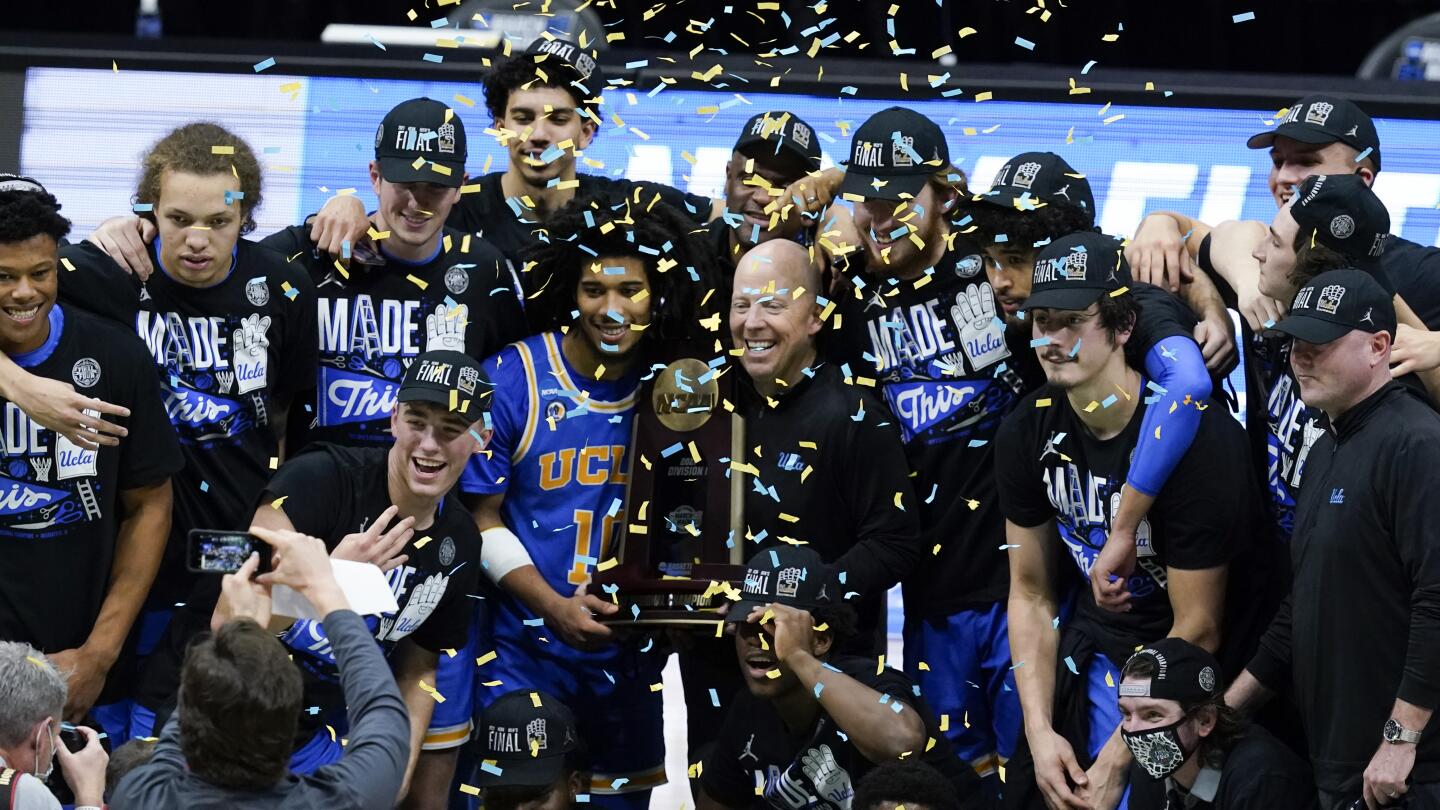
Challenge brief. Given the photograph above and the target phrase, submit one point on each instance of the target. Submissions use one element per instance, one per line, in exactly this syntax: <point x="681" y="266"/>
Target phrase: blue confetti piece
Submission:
<point x="373" y="41"/>
<point x="1070" y="665"/>
<point x="635" y="611"/>
<point x="819" y="687"/>
<point x="433" y="57"/>
<point x="619" y="782"/>
<point x="1074" y="350"/>
<point x="1025" y="43"/>
<point x="897" y="707"/>
<point x="1108" y="401"/>
<point x="978" y="442"/>
<point x="1245" y="17"/>
<point x="714" y="699"/>
<point x="533" y="622"/>
<point x="636" y="65"/>
<point x="934" y="488"/>
<point x="141" y="208"/>
<point x="671" y="450"/>
<point x="265" y="64"/>
<point x="774" y="559"/>
<point x="1364" y="154"/>
<point x="1038" y="342"/>
<point x="1270" y="324"/>
<point x="204" y="486"/>
<point x="490" y="768"/>
<point x="1092" y="63"/>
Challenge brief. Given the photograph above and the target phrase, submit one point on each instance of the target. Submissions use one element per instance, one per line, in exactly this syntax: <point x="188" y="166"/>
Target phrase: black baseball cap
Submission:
<point x="1039" y="178"/>
<point x="529" y="736"/>
<point x="19" y="182"/>
<point x="794" y="576"/>
<point x="1075" y="271"/>
<point x="783" y="135"/>
<point x="583" y="65"/>
<point x="1322" y="118"/>
<point x="1343" y="214"/>
<point x="892" y="155"/>
<point x="1337" y="302"/>
<point x="453" y="380"/>
<point x="1183" y="672"/>
<point x="421" y="140"/>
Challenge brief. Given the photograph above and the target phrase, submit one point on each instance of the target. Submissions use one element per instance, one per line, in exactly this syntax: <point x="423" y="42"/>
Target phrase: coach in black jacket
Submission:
<point x="1359" y="636"/>
<point x="827" y="465"/>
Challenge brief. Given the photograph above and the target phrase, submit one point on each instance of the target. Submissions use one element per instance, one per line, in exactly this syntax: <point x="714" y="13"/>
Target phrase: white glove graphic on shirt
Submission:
<point x="445" y="329"/>
<point x="982" y="335"/>
<point x="418" y="607"/>
<point x="831" y="781"/>
<point x="248" y="353"/>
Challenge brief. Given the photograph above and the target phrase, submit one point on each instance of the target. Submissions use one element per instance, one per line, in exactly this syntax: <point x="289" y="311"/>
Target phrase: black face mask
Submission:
<point x="1158" y="750"/>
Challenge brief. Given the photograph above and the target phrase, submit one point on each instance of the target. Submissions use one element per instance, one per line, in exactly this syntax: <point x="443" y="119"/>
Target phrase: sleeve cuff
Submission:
<point x="1413" y="690"/>
<point x="1269" y="669"/>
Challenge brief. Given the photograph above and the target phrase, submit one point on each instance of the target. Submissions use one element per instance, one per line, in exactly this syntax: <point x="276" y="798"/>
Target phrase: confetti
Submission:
<point x="1243" y="17"/>
<point x="265" y="64"/>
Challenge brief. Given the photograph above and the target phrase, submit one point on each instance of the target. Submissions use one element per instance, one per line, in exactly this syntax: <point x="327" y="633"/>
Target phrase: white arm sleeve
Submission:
<point x="502" y="552"/>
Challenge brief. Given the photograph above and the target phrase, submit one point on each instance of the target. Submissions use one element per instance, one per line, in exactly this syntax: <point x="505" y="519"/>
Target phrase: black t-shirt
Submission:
<point x="510" y="225"/>
<point x="1415" y="271"/>
<point x="331" y="491"/>
<point x="1259" y="773"/>
<point x="60" y="508"/>
<point x="937" y="352"/>
<point x="230" y="357"/>
<point x="817" y="768"/>
<point x="1050" y="467"/>
<point x="374" y="321"/>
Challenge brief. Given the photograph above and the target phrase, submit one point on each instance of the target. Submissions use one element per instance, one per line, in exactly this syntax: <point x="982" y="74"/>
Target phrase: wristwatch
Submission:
<point x="1396" y="733"/>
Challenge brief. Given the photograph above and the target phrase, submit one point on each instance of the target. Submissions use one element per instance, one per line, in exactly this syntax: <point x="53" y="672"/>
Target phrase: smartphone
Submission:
<point x="211" y="551"/>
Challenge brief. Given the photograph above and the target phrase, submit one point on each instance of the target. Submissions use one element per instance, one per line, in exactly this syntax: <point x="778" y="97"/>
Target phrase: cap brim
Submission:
<point x="740" y="611"/>
<point x="1310" y="330"/>
<point x="401" y="170"/>
<point x="893" y="186"/>
<point x="525" y="772"/>
<point x="1298" y="132"/>
<point x="1074" y="298"/>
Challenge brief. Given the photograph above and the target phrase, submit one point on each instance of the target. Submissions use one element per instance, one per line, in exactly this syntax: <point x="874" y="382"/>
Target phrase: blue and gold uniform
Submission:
<point x="560" y="456"/>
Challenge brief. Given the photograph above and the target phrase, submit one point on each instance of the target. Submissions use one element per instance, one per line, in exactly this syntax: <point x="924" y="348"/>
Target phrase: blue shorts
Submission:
<point x="968" y="681"/>
<point x="1103" y="695"/>
<point x="114" y="717"/>
<point x="617" y="713"/>
<point x="452" y="721"/>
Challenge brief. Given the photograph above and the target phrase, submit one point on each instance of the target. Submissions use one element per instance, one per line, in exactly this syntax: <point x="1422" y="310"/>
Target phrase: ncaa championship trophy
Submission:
<point x="681" y="547"/>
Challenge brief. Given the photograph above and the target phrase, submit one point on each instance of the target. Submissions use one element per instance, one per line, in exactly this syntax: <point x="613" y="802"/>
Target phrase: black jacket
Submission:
<point x="1362" y="624"/>
<point x="855" y="505"/>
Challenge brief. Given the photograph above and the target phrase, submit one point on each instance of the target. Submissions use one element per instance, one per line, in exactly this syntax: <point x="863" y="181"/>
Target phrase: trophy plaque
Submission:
<point x="685" y="526"/>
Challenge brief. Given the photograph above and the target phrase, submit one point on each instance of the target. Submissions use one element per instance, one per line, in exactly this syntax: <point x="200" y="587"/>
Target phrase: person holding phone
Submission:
<point x="239" y="684"/>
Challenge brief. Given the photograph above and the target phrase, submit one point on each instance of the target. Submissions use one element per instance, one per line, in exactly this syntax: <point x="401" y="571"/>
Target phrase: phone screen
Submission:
<point x="221" y="552"/>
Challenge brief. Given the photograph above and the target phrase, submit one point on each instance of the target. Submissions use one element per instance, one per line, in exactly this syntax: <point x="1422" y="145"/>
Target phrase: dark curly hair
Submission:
<point x="188" y="148"/>
<point x="906" y="782"/>
<point x="677" y="266"/>
<point x="519" y="73"/>
<point x="1022" y="228"/>
<point x="1230" y="725"/>
<point x="1118" y="313"/>
<point x="1313" y="258"/>
<point x="841" y="619"/>
<point x="25" y="214"/>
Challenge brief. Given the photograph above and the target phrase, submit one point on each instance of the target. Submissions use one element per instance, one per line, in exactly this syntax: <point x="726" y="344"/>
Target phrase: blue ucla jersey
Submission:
<point x="560" y="454"/>
<point x="1293" y="428"/>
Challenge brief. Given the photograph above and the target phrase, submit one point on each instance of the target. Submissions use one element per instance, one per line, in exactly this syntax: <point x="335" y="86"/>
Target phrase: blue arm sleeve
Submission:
<point x="1176" y="365"/>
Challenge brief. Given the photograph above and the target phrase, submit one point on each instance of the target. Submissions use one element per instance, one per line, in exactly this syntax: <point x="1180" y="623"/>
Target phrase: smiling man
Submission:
<point x="812" y="722"/>
<point x="549" y="497"/>
<point x="231" y="333"/>
<point x="1061" y="459"/>
<point x="82" y="530"/>
<point x="855" y="505"/>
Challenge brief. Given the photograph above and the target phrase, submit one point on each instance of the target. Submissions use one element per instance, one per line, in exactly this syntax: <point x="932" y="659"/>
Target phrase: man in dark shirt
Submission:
<point x="1357" y="639"/>
<point x="1061" y="458"/>
<point x="230" y="328"/>
<point x="534" y="752"/>
<point x="351" y="498"/>
<point x="545" y="105"/>
<point x="774" y="151"/>
<point x="828" y="465"/>
<point x="81" y="529"/>
<point x="242" y="695"/>
<point x="1192" y="752"/>
<point x="422" y="287"/>
<point x="810" y="723"/>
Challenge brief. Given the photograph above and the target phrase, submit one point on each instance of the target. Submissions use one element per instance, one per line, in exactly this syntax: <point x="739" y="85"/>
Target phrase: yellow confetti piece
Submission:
<point x="274" y="463"/>
<point x="36" y="661"/>
<point x="898" y="504"/>
<point x="426" y="539"/>
<point x="944" y="722"/>
<point x="278" y="502"/>
<point x="64" y="262"/>
<point x="806" y="473"/>
<point x="1109" y="681"/>
<point x="880" y="664"/>
<point x="222" y="150"/>
<point x="492" y="684"/>
<point x="469" y="790"/>
<point x="418" y="282"/>
<point x="772" y="674"/>
<point x="656" y="687"/>
<point x="1119" y="292"/>
<point x="967" y="31"/>
<point x="985" y="96"/>
<point x="486" y="658"/>
<point x="114" y="66"/>
<point x="789" y="518"/>
<point x="535" y="699"/>
<point x="1043" y="402"/>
